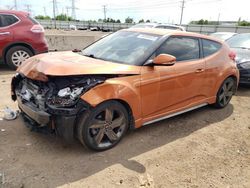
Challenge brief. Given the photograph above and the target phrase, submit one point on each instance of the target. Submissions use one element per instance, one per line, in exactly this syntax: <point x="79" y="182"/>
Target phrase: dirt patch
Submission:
<point x="202" y="148"/>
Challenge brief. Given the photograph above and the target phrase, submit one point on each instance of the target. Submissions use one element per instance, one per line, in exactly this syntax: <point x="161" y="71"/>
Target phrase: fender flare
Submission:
<point x="116" y="90"/>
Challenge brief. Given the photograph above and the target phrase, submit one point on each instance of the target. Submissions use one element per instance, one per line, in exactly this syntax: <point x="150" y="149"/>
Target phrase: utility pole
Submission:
<point x="67" y="10"/>
<point x="28" y="8"/>
<point x="105" y="12"/>
<point x="15" y="4"/>
<point x="54" y="12"/>
<point x="45" y="12"/>
<point x="182" y="10"/>
<point x="73" y="8"/>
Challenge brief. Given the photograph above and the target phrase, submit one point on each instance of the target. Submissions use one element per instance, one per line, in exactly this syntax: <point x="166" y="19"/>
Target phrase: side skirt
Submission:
<point x="175" y="114"/>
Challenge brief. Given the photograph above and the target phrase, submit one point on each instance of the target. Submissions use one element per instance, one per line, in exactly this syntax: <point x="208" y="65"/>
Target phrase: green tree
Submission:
<point x="63" y="17"/>
<point x="141" y="21"/>
<point x="118" y="21"/>
<point x="41" y="17"/>
<point x="129" y="20"/>
<point x="243" y="23"/>
<point x="148" y="21"/>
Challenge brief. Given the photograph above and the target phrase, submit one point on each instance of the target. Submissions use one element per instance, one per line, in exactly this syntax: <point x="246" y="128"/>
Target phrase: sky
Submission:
<point x="162" y="11"/>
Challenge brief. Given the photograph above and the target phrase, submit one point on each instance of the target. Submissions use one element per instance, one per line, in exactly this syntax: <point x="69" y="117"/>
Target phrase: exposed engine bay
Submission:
<point x="58" y="92"/>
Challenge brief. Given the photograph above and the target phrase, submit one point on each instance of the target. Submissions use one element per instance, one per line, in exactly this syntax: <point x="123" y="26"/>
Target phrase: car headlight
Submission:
<point x="245" y="65"/>
<point x="66" y="97"/>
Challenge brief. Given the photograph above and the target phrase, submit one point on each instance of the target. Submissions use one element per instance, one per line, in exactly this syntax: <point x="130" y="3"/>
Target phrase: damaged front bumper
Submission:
<point x="58" y="120"/>
<point x="40" y="116"/>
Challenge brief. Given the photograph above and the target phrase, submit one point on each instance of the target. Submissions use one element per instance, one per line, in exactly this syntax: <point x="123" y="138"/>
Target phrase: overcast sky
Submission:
<point x="167" y="11"/>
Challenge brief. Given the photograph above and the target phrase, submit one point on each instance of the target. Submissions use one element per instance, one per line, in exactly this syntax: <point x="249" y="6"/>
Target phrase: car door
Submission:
<point x="189" y="70"/>
<point x="176" y="87"/>
<point x="6" y="34"/>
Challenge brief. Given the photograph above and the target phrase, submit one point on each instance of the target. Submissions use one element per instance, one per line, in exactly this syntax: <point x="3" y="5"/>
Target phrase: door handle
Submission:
<point x="199" y="70"/>
<point x="5" y="33"/>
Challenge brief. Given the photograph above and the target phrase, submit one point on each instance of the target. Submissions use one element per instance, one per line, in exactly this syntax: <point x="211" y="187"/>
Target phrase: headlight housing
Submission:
<point x="66" y="97"/>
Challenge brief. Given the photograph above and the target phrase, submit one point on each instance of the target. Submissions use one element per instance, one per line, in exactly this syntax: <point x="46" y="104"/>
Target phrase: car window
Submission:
<point x="33" y="20"/>
<point x="7" y="20"/>
<point x="210" y="47"/>
<point x="183" y="48"/>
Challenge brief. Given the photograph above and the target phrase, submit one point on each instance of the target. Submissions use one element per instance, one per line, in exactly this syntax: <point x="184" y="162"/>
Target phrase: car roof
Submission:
<point x="23" y="13"/>
<point x="166" y="32"/>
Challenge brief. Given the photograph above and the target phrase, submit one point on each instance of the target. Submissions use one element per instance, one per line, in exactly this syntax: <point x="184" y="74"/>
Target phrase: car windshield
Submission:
<point x="124" y="47"/>
<point x="240" y="41"/>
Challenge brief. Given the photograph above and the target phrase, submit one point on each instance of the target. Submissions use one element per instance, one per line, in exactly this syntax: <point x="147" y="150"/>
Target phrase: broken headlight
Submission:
<point x="66" y="97"/>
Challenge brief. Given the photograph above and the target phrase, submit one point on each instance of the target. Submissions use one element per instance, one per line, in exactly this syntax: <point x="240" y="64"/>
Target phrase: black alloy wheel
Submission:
<point x="225" y="93"/>
<point x="104" y="126"/>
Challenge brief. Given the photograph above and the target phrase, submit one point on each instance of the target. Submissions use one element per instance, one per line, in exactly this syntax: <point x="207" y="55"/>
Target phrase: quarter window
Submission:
<point x="183" y="48"/>
<point x="210" y="47"/>
<point x="7" y="20"/>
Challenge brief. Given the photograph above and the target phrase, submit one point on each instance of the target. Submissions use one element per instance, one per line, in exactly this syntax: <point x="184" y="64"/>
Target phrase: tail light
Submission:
<point x="37" y="29"/>
<point x="232" y="55"/>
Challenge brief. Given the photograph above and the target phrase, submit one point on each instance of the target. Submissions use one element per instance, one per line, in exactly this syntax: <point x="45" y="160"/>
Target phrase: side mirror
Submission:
<point x="76" y="50"/>
<point x="164" y="59"/>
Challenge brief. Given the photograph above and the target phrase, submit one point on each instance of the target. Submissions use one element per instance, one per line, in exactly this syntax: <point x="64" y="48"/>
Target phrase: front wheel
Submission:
<point x="104" y="126"/>
<point x="225" y="93"/>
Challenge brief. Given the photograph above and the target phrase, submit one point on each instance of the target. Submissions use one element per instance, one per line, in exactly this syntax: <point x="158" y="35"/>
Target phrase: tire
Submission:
<point x="16" y="55"/>
<point x="104" y="126"/>
<point x="225" y="93"/>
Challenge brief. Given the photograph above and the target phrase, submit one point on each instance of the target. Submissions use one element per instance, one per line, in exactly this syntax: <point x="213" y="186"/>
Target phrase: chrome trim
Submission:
<point x="5" y="33"/>
<point x="175" y="114"/>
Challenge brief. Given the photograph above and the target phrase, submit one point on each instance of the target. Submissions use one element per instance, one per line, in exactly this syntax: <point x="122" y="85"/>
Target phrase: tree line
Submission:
<point x="64" y="17"/>
<point x="206" y="22"/>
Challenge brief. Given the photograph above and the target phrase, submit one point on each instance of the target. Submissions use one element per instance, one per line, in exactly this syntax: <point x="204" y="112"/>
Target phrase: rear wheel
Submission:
<point x="16" y="55"/>
<point x="225" y="93"/>
<point x="104" y="126"/>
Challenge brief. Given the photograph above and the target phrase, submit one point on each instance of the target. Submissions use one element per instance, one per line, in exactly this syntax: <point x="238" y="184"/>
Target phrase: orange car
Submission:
<point x="128" y="79"/>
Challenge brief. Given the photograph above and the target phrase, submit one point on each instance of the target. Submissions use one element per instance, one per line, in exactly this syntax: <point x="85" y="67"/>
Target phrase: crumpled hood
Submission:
<point x="242" y="55"/>
<point x="69" y="63"/>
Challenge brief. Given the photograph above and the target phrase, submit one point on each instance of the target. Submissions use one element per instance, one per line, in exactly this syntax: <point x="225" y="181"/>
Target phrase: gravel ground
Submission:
<point x="203" y="148"/>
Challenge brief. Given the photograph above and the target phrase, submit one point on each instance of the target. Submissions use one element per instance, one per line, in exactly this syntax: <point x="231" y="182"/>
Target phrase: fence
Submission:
<point x="205" y="29"/>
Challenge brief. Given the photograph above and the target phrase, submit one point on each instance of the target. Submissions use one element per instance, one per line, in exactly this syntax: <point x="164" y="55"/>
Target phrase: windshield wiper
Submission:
<point x="90" y="55"/>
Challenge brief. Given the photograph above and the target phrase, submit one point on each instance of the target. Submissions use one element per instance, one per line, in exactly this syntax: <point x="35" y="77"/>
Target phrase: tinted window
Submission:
<point x="210" y="47"/>
<point x="183" y="48"/>
<point x="34" y="21"/>
<point x="7" y="20"/>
